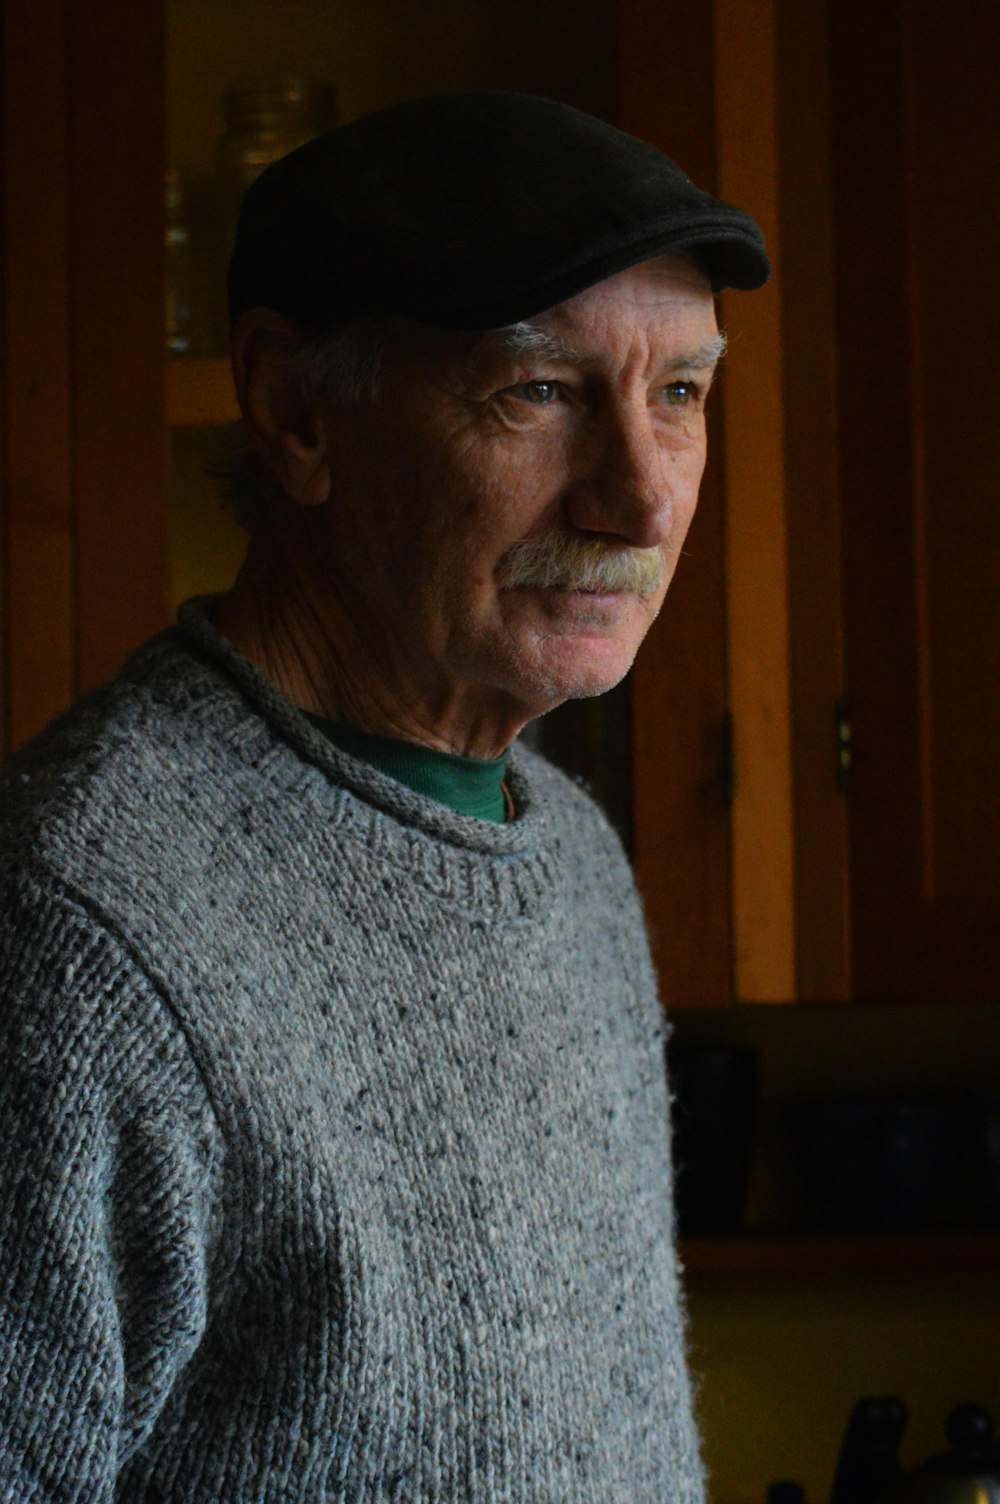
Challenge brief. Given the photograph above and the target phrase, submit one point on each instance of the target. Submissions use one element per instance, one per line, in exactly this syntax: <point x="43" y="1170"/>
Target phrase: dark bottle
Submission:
<point x="785" y="1492"/>
<point x="868" y="1467"/>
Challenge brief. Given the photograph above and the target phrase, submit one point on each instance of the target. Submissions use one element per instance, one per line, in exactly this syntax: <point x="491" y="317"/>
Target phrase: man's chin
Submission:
<point x="580" y="675"/>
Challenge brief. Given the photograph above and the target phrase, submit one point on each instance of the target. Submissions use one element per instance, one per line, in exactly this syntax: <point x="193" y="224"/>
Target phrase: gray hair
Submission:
<point x="325" y="373"/>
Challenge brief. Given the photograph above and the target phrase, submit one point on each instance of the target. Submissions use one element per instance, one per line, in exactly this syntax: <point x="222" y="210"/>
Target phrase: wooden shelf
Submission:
<point x="862" y="1254"/>
<point x="200" y="391"/>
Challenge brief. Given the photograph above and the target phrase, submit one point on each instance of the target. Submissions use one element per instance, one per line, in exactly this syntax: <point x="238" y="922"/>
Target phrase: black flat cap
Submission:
<point x="471" y="211"/>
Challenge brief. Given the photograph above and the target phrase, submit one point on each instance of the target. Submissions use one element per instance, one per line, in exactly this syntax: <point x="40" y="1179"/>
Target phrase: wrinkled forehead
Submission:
<point x="673" y="281"/>
<point x="665" y="305"/>
<point x="666" y="292"/>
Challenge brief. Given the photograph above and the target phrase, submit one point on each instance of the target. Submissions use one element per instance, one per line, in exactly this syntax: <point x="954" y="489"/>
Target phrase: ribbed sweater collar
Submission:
<point x="470" y="785"/>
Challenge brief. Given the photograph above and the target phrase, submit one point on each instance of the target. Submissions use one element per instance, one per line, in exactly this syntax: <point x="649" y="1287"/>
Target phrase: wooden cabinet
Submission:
<point x="846" y="551"/>
<point x="860" y="537"/>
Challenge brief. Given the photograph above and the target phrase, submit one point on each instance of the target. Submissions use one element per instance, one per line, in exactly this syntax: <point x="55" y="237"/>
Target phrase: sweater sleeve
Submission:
<point x="108" y="1157"/>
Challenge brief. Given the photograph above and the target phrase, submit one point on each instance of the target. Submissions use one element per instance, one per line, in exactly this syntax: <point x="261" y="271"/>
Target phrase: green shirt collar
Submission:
<point x="469" y="785"/>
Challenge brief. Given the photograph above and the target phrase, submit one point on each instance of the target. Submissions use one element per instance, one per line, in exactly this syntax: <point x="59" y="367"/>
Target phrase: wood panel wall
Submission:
<point x="83" y="561"/>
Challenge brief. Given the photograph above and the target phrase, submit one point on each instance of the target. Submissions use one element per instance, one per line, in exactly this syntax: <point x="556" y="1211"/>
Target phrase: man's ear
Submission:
<point x="284" y="429"/>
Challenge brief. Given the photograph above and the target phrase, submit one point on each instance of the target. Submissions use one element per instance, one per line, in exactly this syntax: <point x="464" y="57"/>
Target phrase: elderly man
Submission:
<point x="335" y="1132"/>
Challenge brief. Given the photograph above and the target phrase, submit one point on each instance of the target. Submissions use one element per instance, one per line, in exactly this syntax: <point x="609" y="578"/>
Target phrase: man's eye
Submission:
<point x="538" y="392"/>
<point x="680" y="393"/>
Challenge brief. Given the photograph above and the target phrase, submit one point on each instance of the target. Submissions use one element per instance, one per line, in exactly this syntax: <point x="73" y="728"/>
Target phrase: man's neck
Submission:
<point x="310" y="650"/>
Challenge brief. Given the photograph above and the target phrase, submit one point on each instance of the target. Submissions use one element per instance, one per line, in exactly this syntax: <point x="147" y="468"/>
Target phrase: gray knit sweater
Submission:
<point x="333" y="1131"/>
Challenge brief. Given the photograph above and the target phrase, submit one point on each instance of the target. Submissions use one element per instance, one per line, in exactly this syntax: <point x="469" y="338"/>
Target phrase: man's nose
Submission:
<point x="623" y="487"/>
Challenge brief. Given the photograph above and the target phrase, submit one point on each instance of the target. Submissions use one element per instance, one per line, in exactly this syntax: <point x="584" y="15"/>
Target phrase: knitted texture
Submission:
<point x="333" y="1129"/>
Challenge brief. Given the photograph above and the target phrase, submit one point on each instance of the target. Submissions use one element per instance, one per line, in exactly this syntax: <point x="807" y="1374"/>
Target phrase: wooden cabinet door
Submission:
<point x="917" y="158"/>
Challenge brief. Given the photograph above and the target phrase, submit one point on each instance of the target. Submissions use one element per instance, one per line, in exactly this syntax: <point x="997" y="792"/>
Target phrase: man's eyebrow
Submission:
<point x="704" y="358"/>
<point x="526" y="338"/>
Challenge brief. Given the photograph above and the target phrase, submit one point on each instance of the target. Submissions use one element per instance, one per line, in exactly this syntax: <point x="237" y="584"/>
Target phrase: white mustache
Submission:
<point x="562" y="562"/>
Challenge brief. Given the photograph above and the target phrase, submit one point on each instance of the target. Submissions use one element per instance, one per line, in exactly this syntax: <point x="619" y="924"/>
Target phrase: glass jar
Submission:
<point x="191" y="274"/>
<point x="179" y="270"/>
<point x="265" y="119"/>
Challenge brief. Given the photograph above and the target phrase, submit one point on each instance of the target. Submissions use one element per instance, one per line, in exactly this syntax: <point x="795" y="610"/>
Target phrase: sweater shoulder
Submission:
<point x="107" y="782"/>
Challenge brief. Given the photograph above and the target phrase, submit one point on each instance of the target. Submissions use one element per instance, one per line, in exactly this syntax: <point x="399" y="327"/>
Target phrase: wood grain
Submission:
<point x="116" y="194"/>
<point x="37" y="552"/>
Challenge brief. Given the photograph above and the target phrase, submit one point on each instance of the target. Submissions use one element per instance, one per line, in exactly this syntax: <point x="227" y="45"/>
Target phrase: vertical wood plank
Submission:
<point x="952" y="143"/>
<point x="37" y="627"/>
<point x="812" y="473"/>
<point x="877" y="479"/>
<point x="756" y="526"/>
<point x="116" y="164"/>
<point x="681" y="823"/>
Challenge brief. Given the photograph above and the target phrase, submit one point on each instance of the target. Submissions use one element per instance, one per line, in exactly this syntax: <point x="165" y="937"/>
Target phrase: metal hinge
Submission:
<point x="845" y="746"/>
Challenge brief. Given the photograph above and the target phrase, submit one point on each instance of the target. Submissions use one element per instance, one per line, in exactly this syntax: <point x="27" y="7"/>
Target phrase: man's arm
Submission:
<point x="107" y="1150"/>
